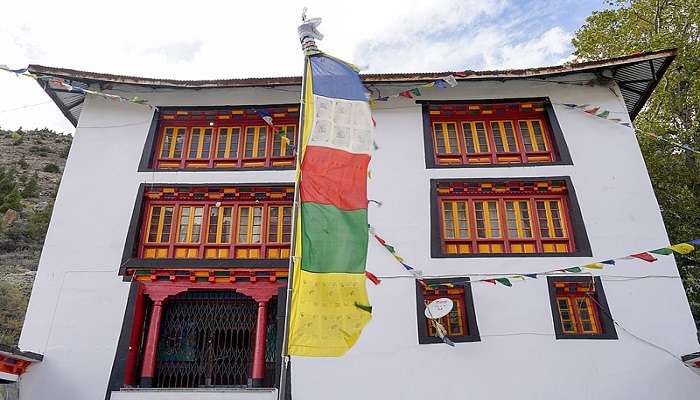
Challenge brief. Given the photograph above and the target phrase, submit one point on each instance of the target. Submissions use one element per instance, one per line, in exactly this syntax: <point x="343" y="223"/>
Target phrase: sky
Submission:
<point x="234" y="39"/>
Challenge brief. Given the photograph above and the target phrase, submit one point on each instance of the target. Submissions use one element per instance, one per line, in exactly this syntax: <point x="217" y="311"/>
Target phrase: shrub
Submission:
<point x="52" y="168"/>
<point x="31" y="187"/>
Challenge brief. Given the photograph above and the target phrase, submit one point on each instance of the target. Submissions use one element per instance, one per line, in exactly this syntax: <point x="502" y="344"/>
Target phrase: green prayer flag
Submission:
<point x="504" y="281"/>
<point x="415" y="91"/>
<point x="664" y="251"/>
<point x="364" y="307"/>
<point x="573" y="269"/>
<point x="604" y="114"/>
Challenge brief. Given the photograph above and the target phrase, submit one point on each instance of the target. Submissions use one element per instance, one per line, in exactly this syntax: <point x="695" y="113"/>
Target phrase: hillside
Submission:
<point x="30" y="171"/>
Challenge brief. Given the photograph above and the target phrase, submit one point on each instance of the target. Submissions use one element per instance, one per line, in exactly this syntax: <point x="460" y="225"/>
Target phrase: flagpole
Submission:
<point x="295" y="216"/>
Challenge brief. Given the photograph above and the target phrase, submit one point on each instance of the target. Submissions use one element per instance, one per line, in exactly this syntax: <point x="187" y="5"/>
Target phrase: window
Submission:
<point x="160" y="221"/>
<point x="460" y="323"/>
<point x="490" y="133"/>
<point x="255" y="142"/>
<point x="579" y="308"/>
<point x="216" y="223"/>
<point x="200" y="143"/>
<point x="227" y="144"/>
<point x="219" y="224"/>
<point x="224" y="138"/>
<point x="476" y="217"/>
<point x="281" y="147"/>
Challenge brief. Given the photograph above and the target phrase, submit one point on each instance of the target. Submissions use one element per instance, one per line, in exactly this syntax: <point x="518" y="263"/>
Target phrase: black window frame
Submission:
<point x="560" y="148"/>
<point x="605" y="316"/>
<point x="578" y="229"/>
<point x="472" y="326"/>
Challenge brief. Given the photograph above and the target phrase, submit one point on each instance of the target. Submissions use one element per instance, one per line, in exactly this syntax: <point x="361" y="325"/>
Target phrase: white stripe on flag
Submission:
<point x="342" y="124"/>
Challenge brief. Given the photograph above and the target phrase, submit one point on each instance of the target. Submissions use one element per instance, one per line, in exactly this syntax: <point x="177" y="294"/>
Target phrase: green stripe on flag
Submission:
<point x="333" y="240"/>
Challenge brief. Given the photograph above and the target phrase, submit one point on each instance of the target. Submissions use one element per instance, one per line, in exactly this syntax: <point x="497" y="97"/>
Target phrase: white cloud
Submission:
<point x="204" y="39"/>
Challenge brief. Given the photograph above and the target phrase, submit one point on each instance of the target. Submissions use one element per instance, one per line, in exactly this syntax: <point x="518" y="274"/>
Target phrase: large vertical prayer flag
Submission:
<point x="329" y="306"/>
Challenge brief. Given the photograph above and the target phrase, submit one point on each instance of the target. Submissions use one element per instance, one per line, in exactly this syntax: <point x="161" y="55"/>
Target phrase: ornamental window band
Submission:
<point x="221" y="223"/>
<point x="580" y="309"/>
<point x="511" y="217"/>
<point x="460" y="323"/>
<point x="224" y="138"/>
<point x="493" y="133"/>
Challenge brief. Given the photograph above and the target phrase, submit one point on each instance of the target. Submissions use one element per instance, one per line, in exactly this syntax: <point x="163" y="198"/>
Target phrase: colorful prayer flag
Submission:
<point x="329" y="305"/>
<point x="683" y="248"/>
<point x="644" y="256"/>
<point x="406" y="94"/>
<point x="663" y="251"/>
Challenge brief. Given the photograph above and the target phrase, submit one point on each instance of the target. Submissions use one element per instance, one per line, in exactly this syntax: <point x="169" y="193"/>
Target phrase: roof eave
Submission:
<point x="635" y="98"/>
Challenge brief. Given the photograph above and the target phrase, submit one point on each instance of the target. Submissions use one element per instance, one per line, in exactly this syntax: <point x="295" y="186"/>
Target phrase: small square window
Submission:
<point x="579" y="308"/>
<point x="460" y="323"/>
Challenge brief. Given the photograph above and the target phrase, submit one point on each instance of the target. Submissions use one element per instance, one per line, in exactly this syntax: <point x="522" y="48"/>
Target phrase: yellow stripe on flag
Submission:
<point x="325" y="321"/>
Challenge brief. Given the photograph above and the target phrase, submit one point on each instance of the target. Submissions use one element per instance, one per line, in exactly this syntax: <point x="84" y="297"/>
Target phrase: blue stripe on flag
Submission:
<point x="335" y="79"/>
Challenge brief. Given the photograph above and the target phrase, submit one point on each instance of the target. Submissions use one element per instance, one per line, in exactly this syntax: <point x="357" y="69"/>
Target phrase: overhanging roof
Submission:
<point x="13" y="362"/>
<point x="637" y="75"/>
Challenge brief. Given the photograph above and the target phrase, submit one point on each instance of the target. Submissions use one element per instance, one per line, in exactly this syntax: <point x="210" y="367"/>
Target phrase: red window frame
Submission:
<point x="283" y="118"/>
<point x="203" y="248"/>
<point x="572" y="292"/>
<point x="461" y="114"/>
<point x="530" y="192"/>
<point x="459" y="308"/>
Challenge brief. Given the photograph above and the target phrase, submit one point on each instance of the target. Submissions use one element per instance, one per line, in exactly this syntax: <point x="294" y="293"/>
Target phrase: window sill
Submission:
<point x="195" y="394"/>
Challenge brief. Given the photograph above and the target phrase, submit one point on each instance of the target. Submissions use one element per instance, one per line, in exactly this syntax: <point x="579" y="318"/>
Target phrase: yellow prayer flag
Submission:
<point x="683" y="248"/>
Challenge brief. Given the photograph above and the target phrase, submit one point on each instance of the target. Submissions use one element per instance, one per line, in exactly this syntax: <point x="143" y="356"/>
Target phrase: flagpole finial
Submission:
<point x="303" y="15"/>
<point x="308" y="33"/>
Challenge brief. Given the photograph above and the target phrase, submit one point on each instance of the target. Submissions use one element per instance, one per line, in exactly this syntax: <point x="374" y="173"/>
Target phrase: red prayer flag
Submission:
<point x="380" y="240"/>
<point x="644" y="256"/>
<point x="406" y="93"/>
<point x="372" y="277"/>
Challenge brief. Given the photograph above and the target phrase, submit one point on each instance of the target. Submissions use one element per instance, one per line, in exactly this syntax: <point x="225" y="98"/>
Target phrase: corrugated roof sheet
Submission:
<point x="636" y="75"/>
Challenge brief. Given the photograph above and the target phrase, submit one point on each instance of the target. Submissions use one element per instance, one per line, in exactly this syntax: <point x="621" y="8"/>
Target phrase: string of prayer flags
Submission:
<point x="14" y="71"/>
<point x="441" y="83"/>
<point x="61" y="84"/>
<point x="596" y="111"/>
<point x="680" y="248"/>
<point x="676" y="144"/>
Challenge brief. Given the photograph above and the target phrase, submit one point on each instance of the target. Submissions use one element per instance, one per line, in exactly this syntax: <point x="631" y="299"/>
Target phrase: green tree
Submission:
<point x="672" y="112"/>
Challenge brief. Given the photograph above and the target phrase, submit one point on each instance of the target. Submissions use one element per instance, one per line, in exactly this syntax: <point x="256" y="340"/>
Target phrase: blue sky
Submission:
<point x="241" y="39"/>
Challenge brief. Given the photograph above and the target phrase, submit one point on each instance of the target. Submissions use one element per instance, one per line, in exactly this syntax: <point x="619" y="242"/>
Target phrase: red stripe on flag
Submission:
<point x="334" y="177"/>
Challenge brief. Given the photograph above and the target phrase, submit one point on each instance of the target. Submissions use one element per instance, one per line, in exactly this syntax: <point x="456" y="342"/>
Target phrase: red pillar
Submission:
<point x="259" y="352"/>
<point x="149" y="354"/>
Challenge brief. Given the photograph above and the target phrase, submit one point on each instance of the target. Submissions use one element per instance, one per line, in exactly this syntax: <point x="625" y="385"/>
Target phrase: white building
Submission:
<point x="168" y="245"/>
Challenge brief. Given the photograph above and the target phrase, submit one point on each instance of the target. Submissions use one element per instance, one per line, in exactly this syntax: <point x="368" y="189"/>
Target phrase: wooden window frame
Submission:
<point x="469" y="319"/>
<point x="600" y="315"/>
<point x="241" y="118"/>
<point x="556" y="152"/>
<point x="232" y="249"/>
<point x="573" y="243"/>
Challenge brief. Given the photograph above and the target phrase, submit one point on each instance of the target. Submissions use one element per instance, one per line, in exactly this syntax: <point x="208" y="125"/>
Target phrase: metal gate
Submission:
<point x="206" y="339"/>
